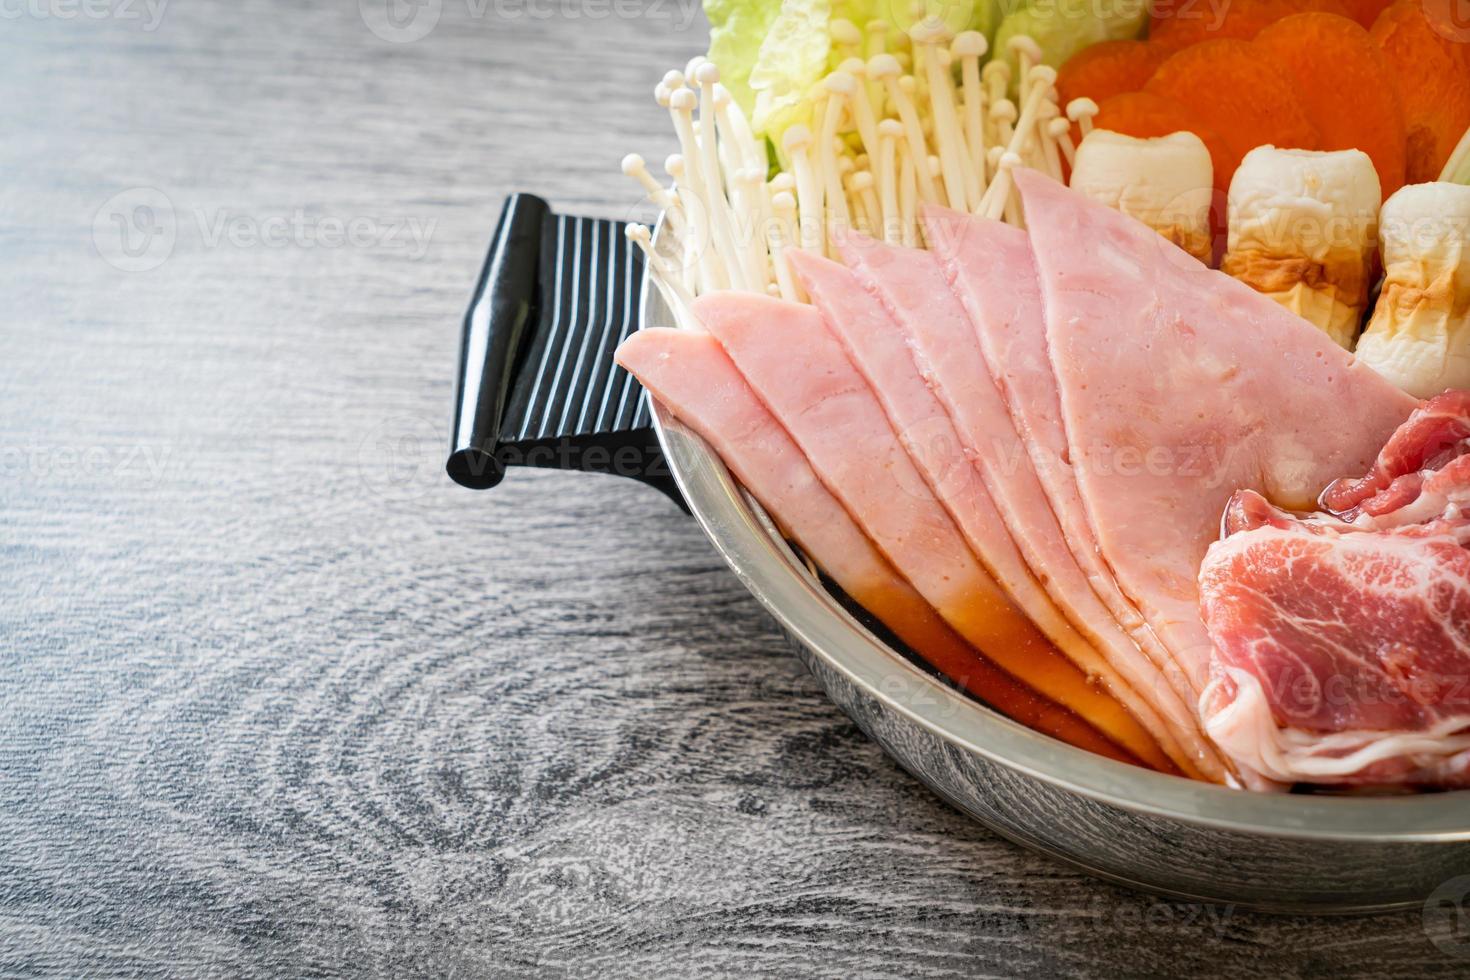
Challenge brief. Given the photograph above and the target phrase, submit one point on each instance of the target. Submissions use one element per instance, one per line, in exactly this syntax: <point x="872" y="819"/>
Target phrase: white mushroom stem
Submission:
<point x="1050" y="152"/>
<point x="827" y="166"/>
<point x="908" y="200"/>
<point x="929" y="182"/>
<point x="1012" y="212"/>
<point x="764" y="191"/>
<point x="721" y="221"/>
<point x="1081" y="111"/>
<point x="781" y="236"/>
<point x="681" y="111"/>
<point x="992" y="164"/>
<point x="797" y="141"/>
<point x="829" y="171"/>
<point x="947" y="131"/>
<point x="1003" y="120"/>
<point x="735" y="129"/>
<point x="877" y="34"/>
<point x="855" y="205"/>
<point x="1061" y="132"/>
<point x="994" y="204"/>
<point x="699" y="254"/>
<point x="1028" y="56"/>
<point x="920" y="68"/>
<point x="877" y="37"/>
<point x="665" y="277"/>
<point x="858" y="101"/>
<point x="996" y="76"/>
<point x="846" y="38"/>
<point x="885" y="67"/>
<point x="890" y="131"/>
<point x="863" y="189"/>
<point x="969" y="47"/>
<point x="635" y="167"/>
<point x="749" y="186"/>
<point x="1043" y="77"/>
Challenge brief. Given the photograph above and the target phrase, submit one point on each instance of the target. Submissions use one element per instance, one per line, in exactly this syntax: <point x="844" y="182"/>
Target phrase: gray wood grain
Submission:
<point x="276" y="698"/>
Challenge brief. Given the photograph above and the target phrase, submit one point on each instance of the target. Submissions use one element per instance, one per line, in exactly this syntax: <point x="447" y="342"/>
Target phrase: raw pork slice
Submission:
<point x="1437" y="434"/>
<point x="803" y="376"/>
<point x="876" y="347"/>
<point x="1180" y="385"/>
<point x="1343" y="647"/>
<point x="911" y="286"/>
<point x="990" y="268"/>
<point x="691" y="375"/>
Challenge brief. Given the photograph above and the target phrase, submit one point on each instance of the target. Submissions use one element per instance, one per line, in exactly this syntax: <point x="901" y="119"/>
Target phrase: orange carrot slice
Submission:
<point x="1180" y="23"/>
<point x="1109" y="68"/>
<point x="1433" y="72"/>
<point x="1346" y="87"/>
<point x="1365" y="12"/>
<point x="1240" y="92"/>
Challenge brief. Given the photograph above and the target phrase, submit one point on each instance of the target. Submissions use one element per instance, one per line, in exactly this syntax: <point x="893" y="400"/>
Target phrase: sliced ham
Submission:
<point x="911" y="286"/>
<point x="691" y="375"/>
<point x="1178" y="386"/>
<point x="991" y="270"/>
<point x="879" y="350"/>
<point x="800" y="372"/>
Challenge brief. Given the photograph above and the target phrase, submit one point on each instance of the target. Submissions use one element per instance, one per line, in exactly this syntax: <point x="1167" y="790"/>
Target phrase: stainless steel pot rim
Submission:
<point x="779" y="580"/>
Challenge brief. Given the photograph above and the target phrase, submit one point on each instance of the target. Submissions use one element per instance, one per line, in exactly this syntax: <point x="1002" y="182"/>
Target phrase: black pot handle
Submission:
<point x="537" y="382"/>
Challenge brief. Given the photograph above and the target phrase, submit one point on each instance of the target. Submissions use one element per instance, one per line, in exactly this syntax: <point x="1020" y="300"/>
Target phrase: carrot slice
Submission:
<point x="1180" y="23"/>
<point x="1240" y="92"/>
<point x="1433" y="72"/>
<point x="1346" y="87"/>
<point x="1365" y="12"/>
<point x="1109" y="68"/>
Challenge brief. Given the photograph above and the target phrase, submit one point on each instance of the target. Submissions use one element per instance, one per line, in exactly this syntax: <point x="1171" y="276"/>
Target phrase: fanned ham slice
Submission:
<point x="990" y="268"/>
<point x="693" y="377"/>
<point x="911" y="286"/>
<point x="1178" y="386"/>
<point x="803" y="376"/>
<point x="878" y="349"/>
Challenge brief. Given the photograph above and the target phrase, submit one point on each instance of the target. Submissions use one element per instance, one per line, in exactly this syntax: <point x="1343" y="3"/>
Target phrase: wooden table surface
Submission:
<point x="277" y="698"/>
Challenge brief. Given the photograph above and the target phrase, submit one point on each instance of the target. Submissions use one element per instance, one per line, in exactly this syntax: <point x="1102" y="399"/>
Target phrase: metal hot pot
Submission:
<point x="537" y="386"/>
